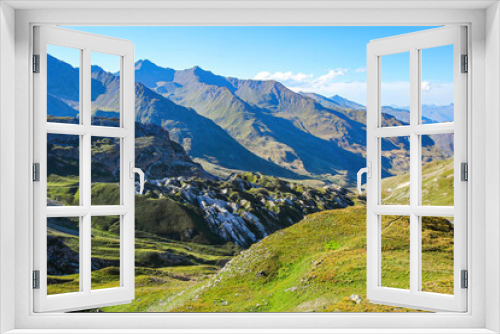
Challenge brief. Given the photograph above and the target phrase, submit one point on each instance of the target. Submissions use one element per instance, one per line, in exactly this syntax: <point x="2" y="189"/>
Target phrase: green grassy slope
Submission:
<point x="153" y="284"/>
<point x="312" y="266"/>
<point x="437" y="185"/>
<point x="316" y="265"/>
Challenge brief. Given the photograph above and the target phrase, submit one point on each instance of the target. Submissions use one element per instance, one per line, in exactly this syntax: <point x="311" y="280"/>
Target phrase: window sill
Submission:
<point x="251" y="331"/>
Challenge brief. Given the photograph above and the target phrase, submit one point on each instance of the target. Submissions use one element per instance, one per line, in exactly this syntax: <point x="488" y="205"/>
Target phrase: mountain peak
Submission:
<point x="199" y="71"/>
<point x="144" y="63"/>
<point x="149" y="73"/>
<point x="96" y="68"/>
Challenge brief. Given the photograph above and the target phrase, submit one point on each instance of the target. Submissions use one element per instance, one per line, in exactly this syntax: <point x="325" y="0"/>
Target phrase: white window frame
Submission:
<point x="413" y="43"/>
<point x="86" y="44"/>
<point x="483" y="50"/>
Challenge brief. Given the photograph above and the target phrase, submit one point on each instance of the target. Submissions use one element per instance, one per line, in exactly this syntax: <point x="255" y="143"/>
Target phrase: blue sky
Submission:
<point x="324" y="60"/>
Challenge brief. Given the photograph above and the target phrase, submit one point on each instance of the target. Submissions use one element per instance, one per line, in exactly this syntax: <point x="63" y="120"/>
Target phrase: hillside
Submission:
<point x="233" y="125"/>
<point x="200" y="137"/>
<point x="313" y="266"/>
<point x="437" y="185"/>
<point x="318" y="137"/>
<point x="270" y="120"/>
<point x="156" y="154"/>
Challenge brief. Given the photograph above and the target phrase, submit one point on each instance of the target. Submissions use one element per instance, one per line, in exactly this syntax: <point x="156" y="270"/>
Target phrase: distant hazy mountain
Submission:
<point x="404" y="114"/>
<point x="439" y="113"/>
<point x="357" y="111"/>
<point x="436" y="114"/>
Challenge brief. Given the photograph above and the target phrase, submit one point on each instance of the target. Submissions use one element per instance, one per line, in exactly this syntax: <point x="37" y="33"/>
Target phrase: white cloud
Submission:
<point x="323" y="84"/>
<point x="426" y="86"/>
<point x="360" y="70"/>
<point x="437" y="93"/>
<point x="329" y="84"/>
<point x="301" y="79"/>
<point x="327" y="78"/>
<point x="283" y="76"/>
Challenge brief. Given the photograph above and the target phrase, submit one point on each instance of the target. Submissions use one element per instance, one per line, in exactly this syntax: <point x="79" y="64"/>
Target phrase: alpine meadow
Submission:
<point x="249" y="202"/>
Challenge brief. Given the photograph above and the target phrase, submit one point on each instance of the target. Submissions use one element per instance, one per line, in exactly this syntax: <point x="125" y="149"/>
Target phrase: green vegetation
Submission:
<point x="437" y="185"/>
<point x="314" y="265"/>
<point x="296" y="269"/>
<point x="163" y="267"/>
<point x="63" y="189"/>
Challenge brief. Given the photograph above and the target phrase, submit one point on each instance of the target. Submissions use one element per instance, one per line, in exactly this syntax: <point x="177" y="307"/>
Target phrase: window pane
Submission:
<point x="437" y="84"/>
<point x="395" y="171"/>
<point x="63" y="255"/>
<point x="105" y="171"/>
<point x="395" y="89"/>
<point x="63" y="84"/>
<point x="438" y="170"/>
<point x="437" y="254"/>
<point x="63" y="169"/>
<point x="105" y="89"/>
<point x="395" y="251"/>
<point x="105" y="252"/>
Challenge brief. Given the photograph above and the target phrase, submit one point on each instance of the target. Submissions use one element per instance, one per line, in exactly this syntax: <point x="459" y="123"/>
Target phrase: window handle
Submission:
<point x="368" y="171"/>
<point x="139" y="171"/>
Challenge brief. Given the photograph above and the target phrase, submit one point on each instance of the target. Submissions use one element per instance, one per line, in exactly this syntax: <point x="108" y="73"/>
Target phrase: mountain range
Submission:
<point x="312" y="135"/>
<point x="240" y="125"/>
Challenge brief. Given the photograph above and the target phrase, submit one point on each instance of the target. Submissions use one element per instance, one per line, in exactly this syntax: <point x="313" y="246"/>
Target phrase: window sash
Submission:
<point x="413" y="43"/>
<point x="86" y="297"/>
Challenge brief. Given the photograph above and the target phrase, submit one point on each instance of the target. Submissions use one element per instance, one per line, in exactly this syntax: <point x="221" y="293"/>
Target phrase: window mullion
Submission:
<point x="87" y="168"/>
<point x="414" y="170"/>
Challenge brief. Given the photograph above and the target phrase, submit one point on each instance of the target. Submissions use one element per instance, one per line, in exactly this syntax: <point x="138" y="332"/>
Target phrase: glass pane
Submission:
<point x="63" y="170"/>
<point x="63" y="255"/>
<point x="437" y="84"/>
<point x="395" y="251"/>
<point x="105" y="89"/>
<point x="395" y="89"/>
<point x="105" y="252"/>
<point x="395" y="171"/>
<point x="105" y="171"/>
<point x="438" y="173"/>
<point x="437" y="255"/>
<point x="63" y="84"/>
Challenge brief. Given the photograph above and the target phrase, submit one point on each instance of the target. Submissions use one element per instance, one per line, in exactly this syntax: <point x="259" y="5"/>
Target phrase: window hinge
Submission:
<point x="36" y="63"/>
<point x="465" y="279"/>
<point x="465" y="64"/>
<point x="464" y="171"/>
<point x="36" y="172"/>
<point x="36" y="279"/>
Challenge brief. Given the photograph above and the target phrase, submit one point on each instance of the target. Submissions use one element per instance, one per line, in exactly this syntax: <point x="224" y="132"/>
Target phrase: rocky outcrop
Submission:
<point x="156" y="154"/>
<point x="61" y="259"/>
<point x="154" y="259"/>
<point x="247" y="207"/>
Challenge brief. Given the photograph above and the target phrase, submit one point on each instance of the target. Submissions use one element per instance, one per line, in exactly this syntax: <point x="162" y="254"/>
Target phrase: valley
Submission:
<point x="249" y="203"/>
